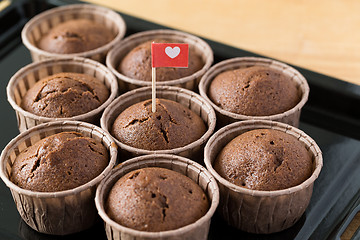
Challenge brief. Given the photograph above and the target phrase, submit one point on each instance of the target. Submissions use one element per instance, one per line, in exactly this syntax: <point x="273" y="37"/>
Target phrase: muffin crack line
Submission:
<point x="136" y="120"/>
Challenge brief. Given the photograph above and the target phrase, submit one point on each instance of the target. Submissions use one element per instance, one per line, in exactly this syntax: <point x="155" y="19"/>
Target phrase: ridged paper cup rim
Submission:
<point x="51" y="62"/>
<point x="234" y="63"/>
<point x="147" y="91"/>
<point x="120" y="23"/>
<point x="257" y="124"/>
<point x="141" y="37"/>
<point x="63" y="125"/>
<point x="141" y="162"/>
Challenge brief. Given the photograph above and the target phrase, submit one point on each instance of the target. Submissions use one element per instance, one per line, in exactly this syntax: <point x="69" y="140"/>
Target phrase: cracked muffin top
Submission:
<point x="171" y="126"/>
<point x="137" y="64"/>
<point x="254" y="91"/>
<point x="65" y="95"/>
<point x="264" y="159"/>
<point x="156" y="199"/>
<point x="74" y="36"/>
<point x="59" y="162"/>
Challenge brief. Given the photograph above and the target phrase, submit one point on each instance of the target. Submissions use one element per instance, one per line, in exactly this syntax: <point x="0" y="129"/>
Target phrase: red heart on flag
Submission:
<point x="170" y="55"/>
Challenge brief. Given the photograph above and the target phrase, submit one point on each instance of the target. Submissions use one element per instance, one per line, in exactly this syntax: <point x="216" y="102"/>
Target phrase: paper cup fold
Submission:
<point x="224" y="117"/>
<point x="190" y="82"/>
<point x="63" y="212"/>
<point x="197" y="230"/>
<point x="261" y="211"/>
<point x="185" y="97"/>
<point x="27" y="76"/>
<point x="40" y="25"/>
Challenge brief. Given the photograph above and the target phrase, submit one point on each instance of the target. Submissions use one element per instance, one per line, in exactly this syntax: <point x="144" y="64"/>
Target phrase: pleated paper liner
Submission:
<point x="261" y="211"/>
<point x="183" y="96"/>
<point x="63" y="212"/>
<point x="27" y="76"/>
<point x="224" y="117"/>
<point x="190" y="82"/>
<point x="197" y="230"/>
<point x="40" y="25"/>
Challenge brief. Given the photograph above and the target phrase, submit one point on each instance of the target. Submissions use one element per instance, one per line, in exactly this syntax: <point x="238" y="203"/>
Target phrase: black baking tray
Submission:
<point x="331" y="117"/>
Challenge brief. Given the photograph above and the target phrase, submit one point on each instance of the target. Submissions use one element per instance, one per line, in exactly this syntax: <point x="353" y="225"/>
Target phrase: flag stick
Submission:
<point x="153" y="89"/>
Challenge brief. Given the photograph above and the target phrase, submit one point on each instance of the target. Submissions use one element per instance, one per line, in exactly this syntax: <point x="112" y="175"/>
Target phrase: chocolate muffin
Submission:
<point x="254" y="91"/>
<point x="264" y="159"/>
<point x="74" y="36"/>
<point x="137" y="64"/>
<point x="59" y="162"/>
<point x="156" y="199"/>
<point x="65" y="95"/>
<point x="171" y="126"/>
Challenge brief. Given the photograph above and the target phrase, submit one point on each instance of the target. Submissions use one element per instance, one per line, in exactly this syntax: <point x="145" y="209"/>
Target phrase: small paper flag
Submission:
<point x="170" y="55"/>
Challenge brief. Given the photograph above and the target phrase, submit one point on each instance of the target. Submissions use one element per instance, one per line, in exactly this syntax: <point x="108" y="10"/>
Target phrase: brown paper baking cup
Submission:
<point x="197" y="230"/>
<point x="224" y="117"/>
<point x="183" y="96"/>
<point x="61" y="212"/>
<point x="27" y="76"/>
<point x="191" y="82"/>
<point x="40" y="25"/>
<point x="261" y="211"/>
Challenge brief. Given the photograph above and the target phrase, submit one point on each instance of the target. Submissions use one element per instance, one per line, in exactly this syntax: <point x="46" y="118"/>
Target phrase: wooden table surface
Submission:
<point x="322" y="35"/>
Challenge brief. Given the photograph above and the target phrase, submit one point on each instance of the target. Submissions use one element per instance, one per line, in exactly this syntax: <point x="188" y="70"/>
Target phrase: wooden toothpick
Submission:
<point x="153" y="89"/>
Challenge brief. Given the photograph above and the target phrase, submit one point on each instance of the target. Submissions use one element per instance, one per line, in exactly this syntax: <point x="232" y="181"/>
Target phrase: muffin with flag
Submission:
<point x="159" y="124"/>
